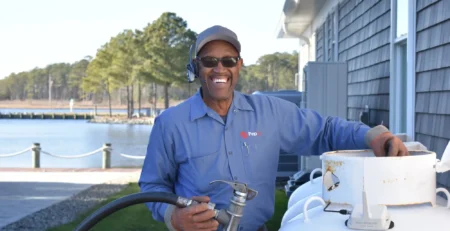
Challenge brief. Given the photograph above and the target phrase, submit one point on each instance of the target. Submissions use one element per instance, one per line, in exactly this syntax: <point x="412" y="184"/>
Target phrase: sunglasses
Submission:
<point x="210" y="62"/>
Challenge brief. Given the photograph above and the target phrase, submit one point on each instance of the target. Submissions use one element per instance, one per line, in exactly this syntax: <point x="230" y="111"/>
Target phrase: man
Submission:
<point x="221" y="134"/>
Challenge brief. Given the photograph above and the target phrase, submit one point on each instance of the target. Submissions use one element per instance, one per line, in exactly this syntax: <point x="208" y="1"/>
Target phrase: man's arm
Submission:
<point x="159" y="170"/>
<point x="305" y="132"/>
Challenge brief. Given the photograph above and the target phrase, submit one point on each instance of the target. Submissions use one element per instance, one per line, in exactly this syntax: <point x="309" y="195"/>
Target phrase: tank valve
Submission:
<point x="369" y="217"/>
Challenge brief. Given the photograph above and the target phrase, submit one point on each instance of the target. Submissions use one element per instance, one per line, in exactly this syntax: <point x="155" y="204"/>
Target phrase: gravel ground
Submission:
<point x="67" y="210"/>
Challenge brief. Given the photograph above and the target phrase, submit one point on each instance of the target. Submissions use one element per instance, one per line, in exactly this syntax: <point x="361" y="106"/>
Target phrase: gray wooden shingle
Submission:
<point x="319" y="44"/>
<point x="424" y="3"/>
<point x="374" y="42"/>
<point x="433" y="36"/>
<point x="356" y="12"/>
<point x="345" y="8"/>
<point x="379" y="70"/>
<point x="433" y="125"/>
<point x="434" y="58"/>
<point x="423" y="139"/>
<point x="444" y="103"/>
<point x="380" y="102"/>
<point x="422" y="123"/>
<point x="379" y="117"/>
<point x="372" y="87"/>
<point x="433" y="14"/>
<point x="371" y="15"/>
<point x="371" y="58"/>
<point x="434" y="101"/>
<point x="368" y="31"/>
<point x="353" y="114"/>
<point x="423" y="81"/>
<point x="446" y="85"/>
<point x="331" y="35"/>
<point x="422" y="102"/>
<point x="376" y="116"/>
<point x="436" y="80"/>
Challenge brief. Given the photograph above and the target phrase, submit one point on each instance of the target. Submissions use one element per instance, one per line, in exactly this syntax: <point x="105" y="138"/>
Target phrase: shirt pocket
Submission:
<point x="201" y="169"/>
<point x="259" y="162"/>
<point x="202" y="162"/>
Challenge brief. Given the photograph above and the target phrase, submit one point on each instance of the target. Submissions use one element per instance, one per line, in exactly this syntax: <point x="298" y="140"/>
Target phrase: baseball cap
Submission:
<point x="217" y="33"/>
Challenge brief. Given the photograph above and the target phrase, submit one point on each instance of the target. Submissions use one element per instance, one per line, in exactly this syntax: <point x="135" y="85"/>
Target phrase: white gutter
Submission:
<point x="291" y="33"/>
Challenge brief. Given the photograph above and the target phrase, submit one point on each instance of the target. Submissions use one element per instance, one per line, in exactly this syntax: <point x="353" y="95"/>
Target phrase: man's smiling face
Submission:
<point x="218" y="81"/>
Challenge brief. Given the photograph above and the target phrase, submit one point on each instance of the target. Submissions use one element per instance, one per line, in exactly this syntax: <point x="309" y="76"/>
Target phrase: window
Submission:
<point x="402" y="18"/>
<point x="402" y="79"/>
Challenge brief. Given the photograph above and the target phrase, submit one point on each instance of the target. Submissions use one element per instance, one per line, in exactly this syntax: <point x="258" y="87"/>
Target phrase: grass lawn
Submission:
<point x="137" y="217"/>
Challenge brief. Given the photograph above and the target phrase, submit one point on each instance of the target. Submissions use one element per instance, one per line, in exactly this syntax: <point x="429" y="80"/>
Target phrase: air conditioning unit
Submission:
<point x="325" y="86"/>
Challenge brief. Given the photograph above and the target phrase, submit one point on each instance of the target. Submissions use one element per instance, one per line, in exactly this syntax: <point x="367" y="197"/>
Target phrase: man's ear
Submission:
<point x="240" y="63"/>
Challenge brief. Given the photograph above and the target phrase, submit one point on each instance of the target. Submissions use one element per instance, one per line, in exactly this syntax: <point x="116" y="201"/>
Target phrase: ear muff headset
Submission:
<point x="192" y="69"/>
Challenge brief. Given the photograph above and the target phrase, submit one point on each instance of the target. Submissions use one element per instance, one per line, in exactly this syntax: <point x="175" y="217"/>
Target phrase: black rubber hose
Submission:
<point x="123" y="202"/>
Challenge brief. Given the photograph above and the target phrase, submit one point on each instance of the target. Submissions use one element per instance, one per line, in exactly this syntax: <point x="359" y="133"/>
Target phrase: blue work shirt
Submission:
<point x="190" y="145"/>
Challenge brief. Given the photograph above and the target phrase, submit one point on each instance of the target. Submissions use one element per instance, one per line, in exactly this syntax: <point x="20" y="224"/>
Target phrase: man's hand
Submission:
<point x="195" y="217"/>
<point x="386" y="144"/>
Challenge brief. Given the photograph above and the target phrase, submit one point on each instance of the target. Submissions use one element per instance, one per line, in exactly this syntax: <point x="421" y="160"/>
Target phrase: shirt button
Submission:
<point x="235" y="177"/>
<point x="235" y="110"/>
<point x="230" y="152"/>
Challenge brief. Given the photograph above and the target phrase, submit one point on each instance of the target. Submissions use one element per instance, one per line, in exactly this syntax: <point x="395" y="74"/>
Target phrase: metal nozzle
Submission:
<point x="239" y="187"/>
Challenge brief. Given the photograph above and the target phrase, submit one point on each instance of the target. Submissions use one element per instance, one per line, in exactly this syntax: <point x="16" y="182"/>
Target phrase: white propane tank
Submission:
<point x="311" y="187"/>
<point x="362" y="192"/>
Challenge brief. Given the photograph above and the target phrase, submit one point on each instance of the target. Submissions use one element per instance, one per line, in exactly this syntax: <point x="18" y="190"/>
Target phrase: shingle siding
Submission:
<point x="421" y="4"/>
<point x="378" y="9"/>
<point x="364" y="30"/>
<point x="434" y="58"/>
<point x="362" y="35"/>
<point x="369" y="73"/>
<point x="378" y="40"/>
<point x="433" y="14"/>
<point x="320" y="44"/>
<point x="436" y="35"/>
<point x="330" y="37"/>
<point x="432" y="121"/>
<point x="357" y="13"/>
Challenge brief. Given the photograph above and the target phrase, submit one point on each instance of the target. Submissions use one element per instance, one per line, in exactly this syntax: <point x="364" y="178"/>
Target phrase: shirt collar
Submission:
<point x="199" y="108"/>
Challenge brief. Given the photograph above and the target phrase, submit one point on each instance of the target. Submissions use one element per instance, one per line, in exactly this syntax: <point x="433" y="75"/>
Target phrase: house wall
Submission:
<point x="363" y="42"/>
<point x="363" y="29"/>
<point x="432" y="124"/>
<point x="363" y="39"/>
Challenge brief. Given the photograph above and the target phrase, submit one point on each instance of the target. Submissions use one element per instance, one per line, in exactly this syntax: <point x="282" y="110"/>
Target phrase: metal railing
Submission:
<point x="36" y="152"/>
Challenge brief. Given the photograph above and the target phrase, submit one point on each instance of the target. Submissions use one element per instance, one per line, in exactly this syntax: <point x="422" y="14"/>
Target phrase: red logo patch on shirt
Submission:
<point x="245" y="135"/>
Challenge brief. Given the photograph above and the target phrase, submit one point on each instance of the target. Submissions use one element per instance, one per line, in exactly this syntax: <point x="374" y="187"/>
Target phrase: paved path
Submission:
<point x="25" y="191"/>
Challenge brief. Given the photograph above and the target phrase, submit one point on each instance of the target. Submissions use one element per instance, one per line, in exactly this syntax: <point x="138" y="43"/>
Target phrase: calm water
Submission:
<point x="71" y="137"/>
<point x="62" y="110"/>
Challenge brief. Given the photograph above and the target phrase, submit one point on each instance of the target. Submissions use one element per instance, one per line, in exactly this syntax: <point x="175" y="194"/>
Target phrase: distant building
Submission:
<point x="398" y="58"/>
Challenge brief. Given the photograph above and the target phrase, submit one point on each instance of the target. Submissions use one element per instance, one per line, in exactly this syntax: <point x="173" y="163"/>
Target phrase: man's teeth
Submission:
<point x="220" y="80"/>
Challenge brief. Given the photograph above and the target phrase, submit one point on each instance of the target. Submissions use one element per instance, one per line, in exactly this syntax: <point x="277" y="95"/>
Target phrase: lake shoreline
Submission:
<point x="122" y="120"/>
<point x="64" y="105"/>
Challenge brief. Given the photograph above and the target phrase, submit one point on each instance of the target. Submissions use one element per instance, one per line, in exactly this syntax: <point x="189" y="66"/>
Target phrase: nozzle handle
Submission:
<point x="240" y="187"/>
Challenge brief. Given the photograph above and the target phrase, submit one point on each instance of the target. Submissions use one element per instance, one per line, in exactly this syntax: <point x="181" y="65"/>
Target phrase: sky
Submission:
<point x="37" y="33"/>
